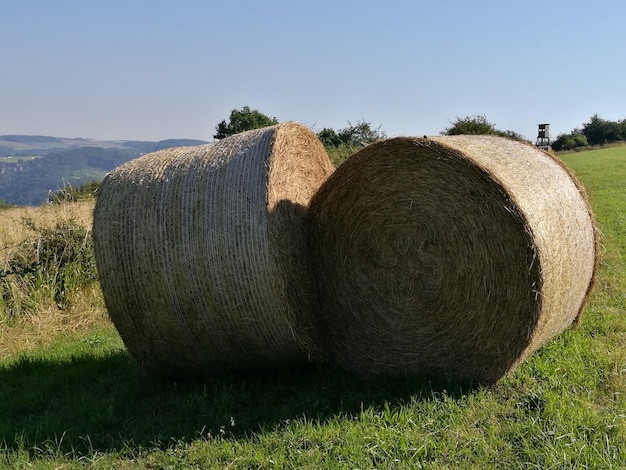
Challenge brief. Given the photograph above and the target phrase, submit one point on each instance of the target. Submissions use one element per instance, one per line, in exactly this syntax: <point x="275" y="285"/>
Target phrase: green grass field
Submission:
<point x="78" y="400"/>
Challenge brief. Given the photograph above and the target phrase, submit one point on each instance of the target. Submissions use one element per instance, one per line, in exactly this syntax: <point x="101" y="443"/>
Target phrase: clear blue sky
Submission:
<point x="152" y="70"/>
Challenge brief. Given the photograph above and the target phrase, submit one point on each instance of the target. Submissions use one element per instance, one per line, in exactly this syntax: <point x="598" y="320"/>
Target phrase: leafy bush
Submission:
<point x="470" y="125"/>
<point x="570" y="141"/>
<point x="479" y="125"/>
<point x="338" y="154"/>
<point x="49" y="269"/>
<point x="341" y="144"/>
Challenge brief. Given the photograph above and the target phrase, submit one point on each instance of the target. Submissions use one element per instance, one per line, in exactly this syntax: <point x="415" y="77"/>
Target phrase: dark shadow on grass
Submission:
<point x="90" y="403"/>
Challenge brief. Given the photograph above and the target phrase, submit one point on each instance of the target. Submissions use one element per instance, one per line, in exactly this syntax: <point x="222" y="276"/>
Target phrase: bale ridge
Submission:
<point x="455" y="256"/>
<point x="201" y="252"/>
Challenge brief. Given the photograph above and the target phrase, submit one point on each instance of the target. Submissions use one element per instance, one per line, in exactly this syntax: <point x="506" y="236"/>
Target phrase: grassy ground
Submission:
<point x="70" y="397"/>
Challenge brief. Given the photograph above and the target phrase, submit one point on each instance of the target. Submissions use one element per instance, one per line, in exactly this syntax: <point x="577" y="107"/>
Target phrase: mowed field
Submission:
<point x="71" y="397"/>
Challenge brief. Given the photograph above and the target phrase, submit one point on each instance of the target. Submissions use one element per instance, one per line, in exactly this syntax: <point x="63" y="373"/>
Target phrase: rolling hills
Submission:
<point x="32" y="166"/>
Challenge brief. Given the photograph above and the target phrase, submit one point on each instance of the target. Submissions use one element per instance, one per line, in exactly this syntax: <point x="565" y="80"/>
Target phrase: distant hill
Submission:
<point x="32" y="166"/>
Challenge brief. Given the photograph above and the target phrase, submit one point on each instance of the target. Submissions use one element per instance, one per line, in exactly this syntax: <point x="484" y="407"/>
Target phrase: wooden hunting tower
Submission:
<point x="543" y="136"/>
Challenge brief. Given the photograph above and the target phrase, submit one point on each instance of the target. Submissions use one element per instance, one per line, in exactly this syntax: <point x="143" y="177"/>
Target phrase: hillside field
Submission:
<point x="71" y="397"/>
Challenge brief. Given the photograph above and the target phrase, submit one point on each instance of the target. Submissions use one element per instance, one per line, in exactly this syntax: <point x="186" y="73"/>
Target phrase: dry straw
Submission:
<point x="455" y="256"/>
<point x="200" y="252"/>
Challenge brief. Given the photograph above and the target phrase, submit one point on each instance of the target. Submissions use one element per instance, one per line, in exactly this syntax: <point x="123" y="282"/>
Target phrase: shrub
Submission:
<point x="338" y="154"/>
<point x="470" y="125"/>
<point x="341" y="144"/>
<point x="479" y="125"/>
<point x="570" y="141"/>
<point x="48" y="269"/>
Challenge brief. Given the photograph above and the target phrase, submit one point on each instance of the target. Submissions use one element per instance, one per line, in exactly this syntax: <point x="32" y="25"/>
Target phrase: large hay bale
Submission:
<point x="455" y="256"/>
<point x="201" y="252"/>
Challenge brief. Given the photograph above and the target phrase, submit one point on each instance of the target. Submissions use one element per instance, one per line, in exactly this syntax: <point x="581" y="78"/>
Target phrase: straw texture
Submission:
<point x="201" y="252"/>
<point x="455" y="256"/>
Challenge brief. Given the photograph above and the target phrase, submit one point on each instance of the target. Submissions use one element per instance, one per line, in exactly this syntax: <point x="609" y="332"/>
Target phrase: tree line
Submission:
<point x="69" y="175"/>
<point x="340" y="143"/>
<point x="597" y="131"/>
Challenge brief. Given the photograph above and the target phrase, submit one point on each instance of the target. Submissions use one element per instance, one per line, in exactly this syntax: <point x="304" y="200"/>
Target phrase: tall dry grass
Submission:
<point x="14" y="230"/>
<point x="42" y="302"/>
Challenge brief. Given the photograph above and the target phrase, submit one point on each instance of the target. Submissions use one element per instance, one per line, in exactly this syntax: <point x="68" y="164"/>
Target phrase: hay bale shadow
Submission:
<point x="88" y="404"/>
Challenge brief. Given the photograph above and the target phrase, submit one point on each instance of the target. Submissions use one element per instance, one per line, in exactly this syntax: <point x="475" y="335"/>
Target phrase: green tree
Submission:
<point x="600" y="131"/>
<point x="329" y="137"/>
<point x="242" y="120"/>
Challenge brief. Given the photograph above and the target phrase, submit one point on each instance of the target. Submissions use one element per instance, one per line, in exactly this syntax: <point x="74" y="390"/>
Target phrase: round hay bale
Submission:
<point x="201" y="252"/>
<point x="456" y="256"/>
